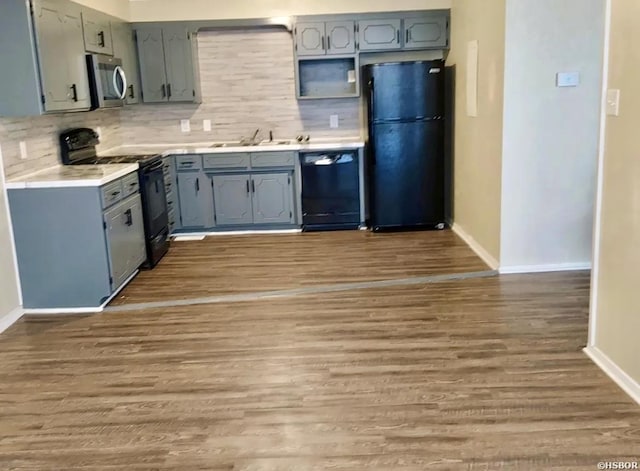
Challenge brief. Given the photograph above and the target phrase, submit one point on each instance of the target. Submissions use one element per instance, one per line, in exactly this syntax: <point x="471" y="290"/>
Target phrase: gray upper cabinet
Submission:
<point x="196" y="200"/>
<point x="272" y="198"/>
<point x="97" y="32"/>
<point x="341" y="37"/>
<point x="383" y="34"/>
<point x="63" y="68"/>
<point x="320" y="38"/>
<point x="232" y="196"/>
<point x="425" y="33"/>
<point x="124" y="48"/>
<point x="310" y="39"/>
<point x="167" y="64"/>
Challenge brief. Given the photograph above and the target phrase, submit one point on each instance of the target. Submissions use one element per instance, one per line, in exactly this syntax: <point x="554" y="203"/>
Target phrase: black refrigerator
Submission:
<point x="406" y="148"/>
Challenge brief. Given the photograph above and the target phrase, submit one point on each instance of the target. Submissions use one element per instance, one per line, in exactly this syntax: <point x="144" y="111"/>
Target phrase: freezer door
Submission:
<point x="407" y="174"/>
<point x="406" y="91"/>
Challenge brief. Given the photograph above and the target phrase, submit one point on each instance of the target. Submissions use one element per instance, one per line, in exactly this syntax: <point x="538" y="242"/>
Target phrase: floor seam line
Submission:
<point x="294" y="292"/>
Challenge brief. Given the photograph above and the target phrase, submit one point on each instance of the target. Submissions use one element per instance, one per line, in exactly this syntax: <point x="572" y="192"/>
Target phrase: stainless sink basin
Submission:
<point x="218" y="145"/>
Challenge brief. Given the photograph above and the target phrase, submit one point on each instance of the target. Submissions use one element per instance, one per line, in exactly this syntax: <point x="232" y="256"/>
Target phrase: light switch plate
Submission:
<point x="185" y="125"/>
<point x="206" y="125"/>
<point x="334" y="121"/>
<point x="613" y="102"/>
<point x="23" y="150"/>
<point x="568" y="79"/>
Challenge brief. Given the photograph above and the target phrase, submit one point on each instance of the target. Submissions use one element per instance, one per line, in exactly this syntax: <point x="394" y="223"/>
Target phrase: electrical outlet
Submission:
<point x="185" y="125"/>
<point x="206" y="125"/>
<point x="23" y="150"/>
<point x="334" y="121"/>
<point x="613" y="102"/>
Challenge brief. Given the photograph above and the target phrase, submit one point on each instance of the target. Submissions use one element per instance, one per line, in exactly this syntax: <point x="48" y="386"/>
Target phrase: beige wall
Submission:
<point x="9" y="299"/>
<point x="617" y="309"/>
<point x="172" y="10"/>
<point x="119" y="8"/>
<point x="478" y="141"/>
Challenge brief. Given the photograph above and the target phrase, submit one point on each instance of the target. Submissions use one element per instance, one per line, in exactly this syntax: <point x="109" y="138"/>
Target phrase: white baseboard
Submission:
<point x="80" y="310"/>
<point x="476" y="247"/>
<point x="617" y="374"/>
<point x="177" y="235"/>
<point x="10" y="319"/>
<point x="545" y="268"/>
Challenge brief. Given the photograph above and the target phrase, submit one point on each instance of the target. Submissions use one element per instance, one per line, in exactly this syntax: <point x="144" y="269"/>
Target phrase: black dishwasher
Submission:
<point x="330" y="191"/>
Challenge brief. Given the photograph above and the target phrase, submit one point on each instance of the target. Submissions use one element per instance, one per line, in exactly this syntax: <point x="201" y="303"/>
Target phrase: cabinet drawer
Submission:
<point x="111" y="193"/>
<point x="272" y="159"/>
<point x="226" y="161"/>
<point x="188" y="162"/>
<point x="130" y="185"/>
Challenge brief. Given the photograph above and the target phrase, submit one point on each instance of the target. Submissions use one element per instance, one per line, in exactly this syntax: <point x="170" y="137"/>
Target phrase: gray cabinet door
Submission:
<point x="194" y="194"/>
<point x="97" y="33"/>
<point x="310" y="39"/>
<point x="425" y="33"/>
<point x="272" y="198"/>
<point x="50" y="33"/>
<point x="380" y="34"/>
<point x="76" y="58"/>
<point x="232" y="197"/>
<point x="125" y="239"/>
<point x="341" y="37"/>
<point x="124" y="48"/>
<point x="153" y="78"/>
<point x="178" y="54"/>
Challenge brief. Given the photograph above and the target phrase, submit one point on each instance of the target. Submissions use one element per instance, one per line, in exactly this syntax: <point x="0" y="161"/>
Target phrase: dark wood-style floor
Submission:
<point x="223" y="265"/>
<point x="480" y="374"/>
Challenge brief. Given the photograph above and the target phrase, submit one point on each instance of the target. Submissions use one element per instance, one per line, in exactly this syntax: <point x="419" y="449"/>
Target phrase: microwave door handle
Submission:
<point x="119" y="72"/>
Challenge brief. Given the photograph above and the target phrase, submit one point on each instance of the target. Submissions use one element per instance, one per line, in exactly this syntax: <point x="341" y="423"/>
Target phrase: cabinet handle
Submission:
<point x="131" y="93"/>
<point x="155" y="183"/>
<point x="169" y="90"/>
<point x="328" y="43"/>
<point x="248" y="190"/>
<point x="398" y="36"/>
<point x="164" y="90"/>
<point x="408" y="36"/>
<point x="323" y="43"/>
<point x="115" y="193"/>
<point x="129" y="217"/>
<point x="101" y="43"/>
<point x="74" y="89"/>
<point x="253" y="186"/>
<point x="197" y="185"/>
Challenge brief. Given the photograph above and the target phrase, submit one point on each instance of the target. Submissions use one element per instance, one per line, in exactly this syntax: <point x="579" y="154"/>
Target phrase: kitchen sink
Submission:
<point x="218" y="145"/>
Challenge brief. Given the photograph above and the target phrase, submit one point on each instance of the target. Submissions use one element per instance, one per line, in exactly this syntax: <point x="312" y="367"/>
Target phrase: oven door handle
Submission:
<point x="119" y="72"/>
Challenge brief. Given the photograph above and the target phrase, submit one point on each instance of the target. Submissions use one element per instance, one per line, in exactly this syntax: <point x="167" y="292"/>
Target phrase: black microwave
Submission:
<point x="107" y="81"/>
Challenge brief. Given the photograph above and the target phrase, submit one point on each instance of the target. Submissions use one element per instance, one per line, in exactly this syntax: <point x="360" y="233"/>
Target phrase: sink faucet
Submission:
<point x="255" y="135"/>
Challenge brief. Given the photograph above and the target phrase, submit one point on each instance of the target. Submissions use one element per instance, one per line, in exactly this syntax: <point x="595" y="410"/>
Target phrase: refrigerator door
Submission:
<point x="406" y="91"/>
<point x="407" y="175"/>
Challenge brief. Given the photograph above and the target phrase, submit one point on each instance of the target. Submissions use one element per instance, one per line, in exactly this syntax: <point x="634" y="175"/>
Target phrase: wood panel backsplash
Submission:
<point x="41" y="133"/>
<point x="247" y="79"/>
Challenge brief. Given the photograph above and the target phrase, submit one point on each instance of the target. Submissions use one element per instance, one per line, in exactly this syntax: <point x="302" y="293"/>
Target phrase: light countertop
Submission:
<point x="206" y="147"/>
<point x="63" y="176"/>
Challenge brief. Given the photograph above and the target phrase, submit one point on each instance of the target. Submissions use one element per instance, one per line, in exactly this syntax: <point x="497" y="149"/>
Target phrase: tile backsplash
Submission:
<point x="247" y="80"/>
<point x="40" y="135"/>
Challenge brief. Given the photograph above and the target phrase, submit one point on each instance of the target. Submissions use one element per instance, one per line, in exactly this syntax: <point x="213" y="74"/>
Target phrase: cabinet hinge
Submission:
<point x="194" y="93"/>
<point x="289" y="179"/>
<point x="31" y="9"/>
<point x="104" y="224"/>
<point x="43" y="99"/>
<point x="111" y="280"/>
<point x="290" y="214"/>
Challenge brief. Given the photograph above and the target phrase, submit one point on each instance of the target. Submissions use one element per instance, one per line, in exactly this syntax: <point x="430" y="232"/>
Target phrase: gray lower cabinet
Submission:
<point x="196" y="200"/>
<point x="425" y="33"/>
<point x="232" y="197"/>
<point x="258" y="199"/>
<point x="125" y="239"/>
<point x="124" y="48"/>
<point x="383" y="34"/>
<point x="76" y="246"/>
<point x="167" y="64"/>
